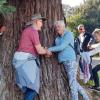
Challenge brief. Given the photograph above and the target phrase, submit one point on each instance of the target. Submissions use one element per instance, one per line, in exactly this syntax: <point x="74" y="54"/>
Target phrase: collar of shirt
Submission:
<point x="62" y="34"/>
<point x="82" y="34"/>
<point x="81" y="37"/>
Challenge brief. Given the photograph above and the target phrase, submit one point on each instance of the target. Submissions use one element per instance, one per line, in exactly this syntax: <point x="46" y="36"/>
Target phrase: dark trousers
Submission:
<point x="30" y="94"/>
<point x="95" y="75"/>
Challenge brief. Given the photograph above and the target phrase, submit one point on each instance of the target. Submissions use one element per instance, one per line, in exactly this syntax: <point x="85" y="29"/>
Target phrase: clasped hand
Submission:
<point x="48" y="53"/>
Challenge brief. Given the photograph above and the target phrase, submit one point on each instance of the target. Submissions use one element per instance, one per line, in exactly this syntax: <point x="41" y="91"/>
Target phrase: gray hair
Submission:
<point x="96" y="31"/>
<point x="60" y="22"/>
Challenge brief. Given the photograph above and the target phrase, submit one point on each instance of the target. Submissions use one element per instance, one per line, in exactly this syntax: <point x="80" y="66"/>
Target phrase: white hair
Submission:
<point x="79" y="26"/>
<point x="60" y="22"/>
<point x="96" y="31"/>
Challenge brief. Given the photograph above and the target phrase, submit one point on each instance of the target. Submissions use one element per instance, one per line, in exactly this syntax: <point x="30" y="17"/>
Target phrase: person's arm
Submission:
<point x="95" y="45"/>
<point x="41" y="50"/>
<point x="88" y="41"/>
<point x="2" y="29"/>
<point x="34" y="36"/>
<point x="65" y="42"/>
<point x="94" y="51"/>
<point x="57" y="48"/>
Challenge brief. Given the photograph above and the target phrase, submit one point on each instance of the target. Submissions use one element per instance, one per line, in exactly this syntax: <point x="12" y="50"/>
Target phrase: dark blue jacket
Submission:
<point x="88" y="40"/>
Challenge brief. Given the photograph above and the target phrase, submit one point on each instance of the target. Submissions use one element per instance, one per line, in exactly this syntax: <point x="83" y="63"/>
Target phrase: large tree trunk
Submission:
<point x="54" y="84"/>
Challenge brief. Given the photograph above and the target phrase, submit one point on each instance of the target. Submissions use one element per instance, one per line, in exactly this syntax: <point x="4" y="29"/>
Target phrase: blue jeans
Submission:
<point x="95" y="75"/>
<point x="30" y="94"/>
<point x="71" y="71"/>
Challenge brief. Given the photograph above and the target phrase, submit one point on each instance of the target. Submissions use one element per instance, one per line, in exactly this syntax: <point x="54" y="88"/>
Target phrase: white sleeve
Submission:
<point x="94" y="51"/>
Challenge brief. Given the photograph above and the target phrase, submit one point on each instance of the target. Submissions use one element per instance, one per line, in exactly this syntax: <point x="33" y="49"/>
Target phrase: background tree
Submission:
<point x="87" y="14"/>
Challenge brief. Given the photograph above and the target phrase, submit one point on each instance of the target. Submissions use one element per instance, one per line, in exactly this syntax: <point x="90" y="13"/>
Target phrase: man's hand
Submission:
<point x="48" y="53"/>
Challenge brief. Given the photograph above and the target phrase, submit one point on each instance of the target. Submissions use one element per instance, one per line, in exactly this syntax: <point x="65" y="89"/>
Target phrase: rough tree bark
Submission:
<point x="54" y="85"/>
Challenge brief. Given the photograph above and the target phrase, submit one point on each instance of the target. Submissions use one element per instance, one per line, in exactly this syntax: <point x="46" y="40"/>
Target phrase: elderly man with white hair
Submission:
<point x="64" y="44"/>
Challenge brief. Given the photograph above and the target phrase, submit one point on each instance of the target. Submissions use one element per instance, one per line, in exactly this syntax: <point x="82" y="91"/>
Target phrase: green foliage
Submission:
<point x="2" y="2"/>
<point x="73" y="21"/>
<point x="92" y="14"/>
<point x="6" y="9"/>
<point x="87" y="14"/>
